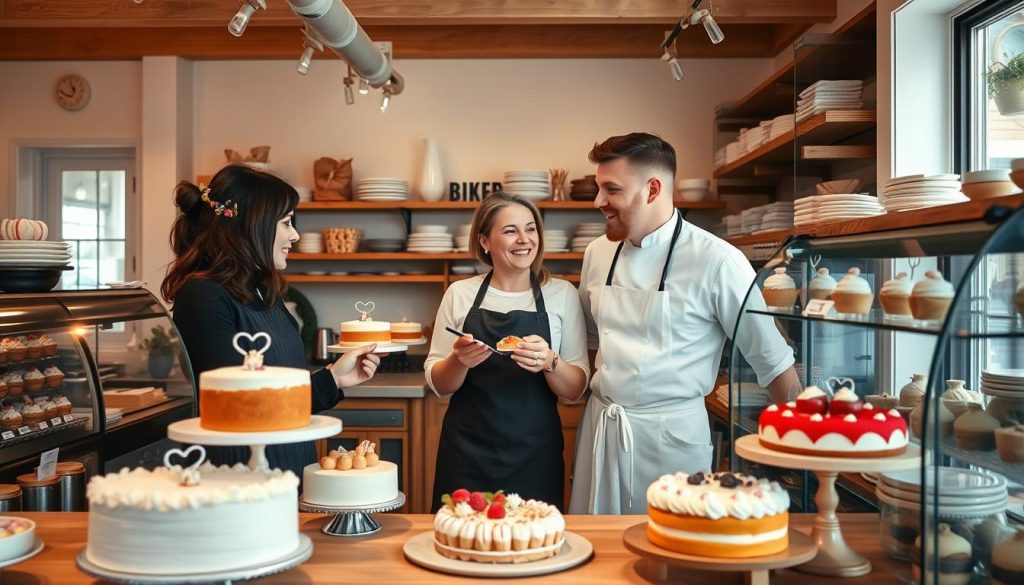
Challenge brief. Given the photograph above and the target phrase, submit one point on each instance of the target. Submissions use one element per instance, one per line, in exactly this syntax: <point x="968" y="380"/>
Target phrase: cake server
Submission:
<point x="463" y="334"/>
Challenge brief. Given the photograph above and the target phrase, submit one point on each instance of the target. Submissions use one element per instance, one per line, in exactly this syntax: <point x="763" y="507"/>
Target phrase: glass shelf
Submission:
<point x="974" y="326"/>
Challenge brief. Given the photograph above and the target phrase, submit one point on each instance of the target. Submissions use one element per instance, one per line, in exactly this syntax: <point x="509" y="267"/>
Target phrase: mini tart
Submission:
<point x="508" y="343"/>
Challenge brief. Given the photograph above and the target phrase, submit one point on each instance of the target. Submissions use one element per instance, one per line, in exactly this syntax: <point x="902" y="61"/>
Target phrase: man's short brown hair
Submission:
<point x="639" y="148"/>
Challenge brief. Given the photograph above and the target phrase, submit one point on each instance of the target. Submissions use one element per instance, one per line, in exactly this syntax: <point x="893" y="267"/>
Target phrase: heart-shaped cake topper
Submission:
<point x="252" y="339"/>
<point x="836" y="383"/>
<point x="186" y="454"/>
<point x="365" y="307"/>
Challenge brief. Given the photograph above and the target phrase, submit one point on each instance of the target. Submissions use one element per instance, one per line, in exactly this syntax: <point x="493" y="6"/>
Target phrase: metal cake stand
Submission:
<point x="352" y="520"/>
<point x="300" y="555"/>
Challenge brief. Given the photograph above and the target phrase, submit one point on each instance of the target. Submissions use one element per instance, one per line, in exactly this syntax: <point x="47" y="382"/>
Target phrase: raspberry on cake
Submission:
<point x="508" y="343"/>
<point x="497" y="528"/>
<point x="718" y="515"/>
<point x="846" y="428"/>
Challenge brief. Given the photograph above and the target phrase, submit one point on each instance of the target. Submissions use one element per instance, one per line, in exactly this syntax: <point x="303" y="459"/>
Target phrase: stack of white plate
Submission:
<point x="462" y="238"/>
<point x="753" y="138"/>
<point x="777" y="216"/>
<point x="310" y="243"/>
<point x="733" y="151"/>
<point x="917" y="191"/>
<point x="720" y="157"/>
<point x="751" y="219"/>
<point x="430" y="239"/>
<point x="840" y="94"/>
<point x="839" y="207"/>
<point x="781" y="125"/>
<point x="961" y="492"/>
<point x="733" y="225"/>
<point x="34" y="253"/>
<point x="555" y="241"/>
<point x="382" y="189"/>
<point x="534" y="185"/>
<point x="1007" y="383"/>
<point x="586" y="233"/>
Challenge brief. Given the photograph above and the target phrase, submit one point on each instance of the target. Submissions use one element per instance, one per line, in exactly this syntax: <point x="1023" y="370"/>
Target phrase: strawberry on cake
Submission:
<point x="497" y="528"/>
<point x="842" y="427"/>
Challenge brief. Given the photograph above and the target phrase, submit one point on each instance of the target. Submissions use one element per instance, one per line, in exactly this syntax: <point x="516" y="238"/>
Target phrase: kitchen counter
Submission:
<point x="378" y="557"/>
<point x="404" y="385"/>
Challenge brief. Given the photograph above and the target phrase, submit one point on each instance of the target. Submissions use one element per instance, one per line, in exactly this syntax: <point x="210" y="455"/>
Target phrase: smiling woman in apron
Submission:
<point x="502" y="430"/>
<point x="660" y="296"/>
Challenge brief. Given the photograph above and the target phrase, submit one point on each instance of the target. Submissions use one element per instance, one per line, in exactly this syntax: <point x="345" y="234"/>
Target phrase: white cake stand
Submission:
<point x="390" y="347"/>
<point x="352" y="520"/>
<point x="835" y="558"/>
<point x="300" y="555"/>
<point x="189" y="431"/>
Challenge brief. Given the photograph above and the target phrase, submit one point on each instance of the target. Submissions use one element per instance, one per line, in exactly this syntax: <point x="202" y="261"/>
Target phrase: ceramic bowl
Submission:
<point x="989" y="189"/>
<point x="985" y="176"/>
<point x="16" y="545"/>
<point x="430" y="229"/>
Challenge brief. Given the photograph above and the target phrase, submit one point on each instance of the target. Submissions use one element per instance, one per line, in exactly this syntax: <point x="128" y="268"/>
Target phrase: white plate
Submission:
<point x="36" y="549"/>
<point x="381" y="347"/>
<point x="33" y="245"/>
<point x="420" y="550"/>
<point x="920" y="178"/>
<point x="35" y="256"/>
<point x="438" y="250"/>
<point x="463" y="269"/>
<point x="383" y="198"/>
<point x="1007" y="374"/>
<point x="189" y="431"/>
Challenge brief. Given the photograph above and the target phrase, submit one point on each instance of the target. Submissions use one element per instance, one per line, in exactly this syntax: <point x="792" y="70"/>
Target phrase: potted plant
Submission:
<point x="161" y="347"/>
<point x="1006" y="85"/>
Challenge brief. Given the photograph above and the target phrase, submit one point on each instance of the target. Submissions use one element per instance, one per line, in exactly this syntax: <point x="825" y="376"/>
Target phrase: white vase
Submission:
<point x="431" y="185"/>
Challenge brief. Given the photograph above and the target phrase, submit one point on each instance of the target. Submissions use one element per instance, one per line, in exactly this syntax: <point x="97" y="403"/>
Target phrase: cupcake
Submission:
<point x="931" y="297"/>
<point x="63" y="404"/>
<point x="32" y="413"/>
<point x="822" y="285"/>
<point x="1008" y="560"/>
<point x="54" y="377"/>
<point x="779" y="290"/>
<point x="955" y="562"/>
<point x="853" y="294"/>
<point x="975" y="429"/>
<point x="1010" y="443"/>
<point x="957" y="397"/>
<point x="946" y="419"/>
<point x="49" y="345"/>
<point x="10" y="418"/>
<point x="49" y="408"/>
<point x="33" y="349"/>
<point x="895" y="296"/>
<point x="16" y="350"/>
<point x="15" y="384"/>
<point x="34" y="380"/>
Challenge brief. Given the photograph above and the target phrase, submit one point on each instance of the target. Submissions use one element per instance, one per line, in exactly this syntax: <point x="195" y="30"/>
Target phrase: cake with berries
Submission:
<point x="718" y="515"/>
<point x="497" y="528"/>
<point x="350" y="479"/>
<point x="841" y="427"/>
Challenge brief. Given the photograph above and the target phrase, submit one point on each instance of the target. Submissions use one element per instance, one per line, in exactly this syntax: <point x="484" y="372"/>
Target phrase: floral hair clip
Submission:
<point x="227" y="209"/>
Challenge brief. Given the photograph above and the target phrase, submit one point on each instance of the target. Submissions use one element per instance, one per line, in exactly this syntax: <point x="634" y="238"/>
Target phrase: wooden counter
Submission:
<point x="378" y="558"/>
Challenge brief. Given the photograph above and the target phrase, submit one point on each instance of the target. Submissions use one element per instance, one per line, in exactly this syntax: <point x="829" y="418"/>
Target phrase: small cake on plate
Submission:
<point x="365" y="330"/>
<point x="895" y="296"/>
<point x="353" y="478"/>
<point x="822" y="285"/>
<point x="718" y="515"/>
<point x="853" y="294"/>
<point x="779" y="290"/>
<point x="404" y="331"/>
<point x="495" y="528"/>
<point x="931" y="297"/>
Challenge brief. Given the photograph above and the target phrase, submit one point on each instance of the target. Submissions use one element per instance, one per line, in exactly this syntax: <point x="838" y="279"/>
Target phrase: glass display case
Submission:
<point x="97" y="373"/>
<point x="959" y="334"/>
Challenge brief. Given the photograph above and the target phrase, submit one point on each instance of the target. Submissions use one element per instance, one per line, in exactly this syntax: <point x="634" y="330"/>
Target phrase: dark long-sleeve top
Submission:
<point x="208" y="317"/>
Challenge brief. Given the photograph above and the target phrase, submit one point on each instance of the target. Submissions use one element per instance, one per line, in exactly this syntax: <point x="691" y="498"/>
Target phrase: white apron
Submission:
<point x="635" y="429"/>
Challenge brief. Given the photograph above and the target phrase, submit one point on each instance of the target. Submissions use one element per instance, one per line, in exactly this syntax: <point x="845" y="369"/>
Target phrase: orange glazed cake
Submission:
<point x="406" y="331"/>
<point x="254" y="397"/>
<point x="718" y="515"/>
<point x="365" y="331"/>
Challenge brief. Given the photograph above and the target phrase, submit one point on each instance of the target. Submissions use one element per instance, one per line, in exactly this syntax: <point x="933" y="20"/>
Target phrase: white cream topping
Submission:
<point x="779" y="280"/>
<point x="734" y="539"/>
<point x="362" y="326"/>
<point x="850" y="418"/>
<point x="869" y="406"/>
<point x="238" y="378"/>
<point x="845" y="395"/>
<point x="893" y="412"/>
<point x="772" y="408"/>
<point x="406" y="327"/>
<point x="817" y="417"/>
<point x="672" y="493"/>
<point x="933" y="285"/>
<point x="788" y="414"/>
<point x="823" y="281"/>
<point x="853" y="283"/>
<point x="160" y="489"/>
<point x="810" y="392"/>
<point x="530" y="521"/>
<point x="833" y="441"/>
<point x="879" y="417"/>
<point x="901" y="285"/>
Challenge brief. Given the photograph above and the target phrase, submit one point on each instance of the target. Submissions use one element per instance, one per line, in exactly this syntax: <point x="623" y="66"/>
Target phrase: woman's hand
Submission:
<point x="533" y="354"/>
<point x="469" y="352"/>
<point x="356" y="366"/>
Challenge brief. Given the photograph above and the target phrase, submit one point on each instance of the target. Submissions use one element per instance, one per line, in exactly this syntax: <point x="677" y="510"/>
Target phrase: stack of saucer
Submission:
<point x="310" y="243"/>
<point x="830" y="208"/>
<point x="586" y="233"/>
<point x="781" y="125"/>
<point x="555" y="241"/>
<point x="534" y="185"/>
<point x="1005" y="383"/>
<point x="462" y="238"/>
<point x="917" y="191"/>
<point x="430" y="239"/>
<point x="382" y="189"/>
<point x="825" y="95"/>
<point x="961" y="492"/>
<point x="34" y="253"/>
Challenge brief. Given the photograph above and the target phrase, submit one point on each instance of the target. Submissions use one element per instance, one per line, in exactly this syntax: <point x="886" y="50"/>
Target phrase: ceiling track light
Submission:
<point x="310" y="45"/>
<point x="385" y="101"/>
<point x="245" y="12"/>
<point x="694" y="15"/>
<point x="350" y="96"/>
<point x="364" y="86"/>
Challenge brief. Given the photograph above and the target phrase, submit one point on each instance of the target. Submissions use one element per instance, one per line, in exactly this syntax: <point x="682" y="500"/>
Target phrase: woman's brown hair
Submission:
<point x="233" y="249"/>
<point x="483" y="221"/>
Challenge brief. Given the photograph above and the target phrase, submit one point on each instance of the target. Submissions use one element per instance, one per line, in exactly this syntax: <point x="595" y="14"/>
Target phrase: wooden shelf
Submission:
<point x="573" y="278"/>
<point x="366" y="278"/>
<point x="839" y="152"/>
<point x="765" y="238"/>
<point x="383" y="256"/>
<point x="468" y="205"/>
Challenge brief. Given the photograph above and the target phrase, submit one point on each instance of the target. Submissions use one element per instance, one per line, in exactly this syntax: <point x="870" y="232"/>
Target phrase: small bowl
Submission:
<point x="430" y="229"/>
<point x="989" y="189"/>
<point x="985" y="176"/>
<point x="24" y="279"/>
<point x="17" y="545"/>
<point x="837" y="187"/>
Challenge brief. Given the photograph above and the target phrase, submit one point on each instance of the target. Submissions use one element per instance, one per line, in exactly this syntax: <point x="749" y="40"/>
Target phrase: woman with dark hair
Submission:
<point x="501" y="430"/>
<point x="231" y="242"/>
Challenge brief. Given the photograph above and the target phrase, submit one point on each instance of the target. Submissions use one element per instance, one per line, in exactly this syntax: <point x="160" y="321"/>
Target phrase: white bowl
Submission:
<point x="1017" y="164"/>
<point x="693" y="184"/>
<point x="986" y="176"/>
<point x="430" y="229"/>
<point x="14" y="546"/>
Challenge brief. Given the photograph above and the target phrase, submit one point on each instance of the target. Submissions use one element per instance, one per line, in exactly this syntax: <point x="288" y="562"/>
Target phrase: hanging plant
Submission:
<point x="1006" y="85"/>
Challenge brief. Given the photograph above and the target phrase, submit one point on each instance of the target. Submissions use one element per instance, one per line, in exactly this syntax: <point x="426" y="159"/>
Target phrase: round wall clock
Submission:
<point x="73" y="92"/>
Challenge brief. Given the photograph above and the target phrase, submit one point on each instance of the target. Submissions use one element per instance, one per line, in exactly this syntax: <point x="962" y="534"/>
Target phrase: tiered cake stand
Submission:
<point x="352" y="520"/>
<point x="834" y="557"/>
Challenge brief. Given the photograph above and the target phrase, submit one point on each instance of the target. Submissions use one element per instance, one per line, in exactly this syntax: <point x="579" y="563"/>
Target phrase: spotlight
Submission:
<point x="384" y="103"/>
<point x="245" y="12"/>
<point x="669" y="56"/>
<point x="350" y="97"/>
<point x="310" y="45"/>
<point x="712" y="28"/>
<point x="364" y="86"/>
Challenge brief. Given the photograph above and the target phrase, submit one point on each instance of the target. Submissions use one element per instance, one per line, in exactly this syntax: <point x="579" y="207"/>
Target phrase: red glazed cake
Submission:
<point x="841" y="427"/>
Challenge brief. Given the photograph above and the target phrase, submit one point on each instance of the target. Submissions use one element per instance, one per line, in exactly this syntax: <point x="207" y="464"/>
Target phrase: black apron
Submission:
<point x="502" y="430"/>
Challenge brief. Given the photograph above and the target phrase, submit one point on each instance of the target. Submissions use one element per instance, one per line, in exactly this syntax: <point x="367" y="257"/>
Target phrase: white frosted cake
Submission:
<point x="148" y="522"/>
<point x="351" y="479"/>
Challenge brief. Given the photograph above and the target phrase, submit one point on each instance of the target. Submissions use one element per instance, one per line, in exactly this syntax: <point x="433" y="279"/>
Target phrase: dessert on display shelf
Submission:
<point x="895" y="296"/>
<point x="853" y="294"/>
<point x="822" y="285"/>
<point x="350" y="479"/>
<point x="779" y="290"/>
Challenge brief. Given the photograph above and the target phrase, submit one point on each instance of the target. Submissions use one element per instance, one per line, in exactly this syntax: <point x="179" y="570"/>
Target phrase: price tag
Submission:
<point x="819" y="308"/>
<point x="47" y="464"/>
<point x="7" y="435"/>
<point x="43" y="426"/>
<point x="24" y="430"/>
<point x="56" y="421"/>
<point x="68" y="418"/>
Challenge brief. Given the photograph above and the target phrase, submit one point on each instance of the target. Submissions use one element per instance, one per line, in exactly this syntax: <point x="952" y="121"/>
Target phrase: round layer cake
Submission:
<point x="406" y="331"/>
<point x="718" y="515"/>
<point x="236" y="399"/>
<point x="350" y="487"/>
<point x="842" y="427"/>
<point x="363" y="332"/>
<point x="147" y="522"/>
<point x="493" y="528"/>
